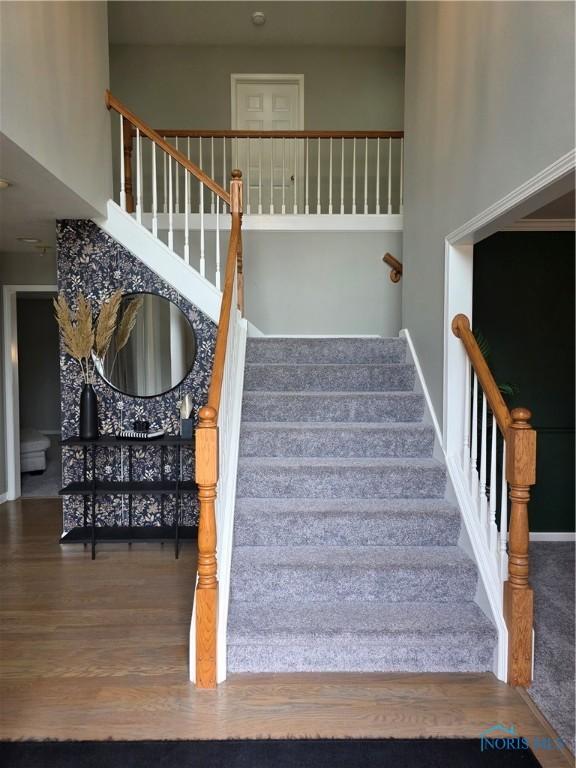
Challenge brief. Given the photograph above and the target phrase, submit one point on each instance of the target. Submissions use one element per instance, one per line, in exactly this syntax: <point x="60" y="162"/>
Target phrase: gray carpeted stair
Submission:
<point x="346" y="552"/>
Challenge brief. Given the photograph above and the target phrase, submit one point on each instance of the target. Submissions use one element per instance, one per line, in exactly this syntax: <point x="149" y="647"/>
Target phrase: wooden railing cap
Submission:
<point x="460" y="322"/>
<point x="236" y="173"/>
<point x="207" y="415"/>
<point x="521" y="418"/>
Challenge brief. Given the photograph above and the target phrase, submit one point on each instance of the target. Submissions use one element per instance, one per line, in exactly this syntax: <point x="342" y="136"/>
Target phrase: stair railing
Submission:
<point x="298" y="172"/>
<point x="494" y="435"/>
<point x="167" y="194"/>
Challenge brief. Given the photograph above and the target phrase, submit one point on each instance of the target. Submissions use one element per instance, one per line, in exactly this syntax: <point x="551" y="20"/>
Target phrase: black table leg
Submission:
<point x="85" y="498"/>
<point x="130" y="496"/>
<point x="177" y="509"/>
<point x="93" y="502"/>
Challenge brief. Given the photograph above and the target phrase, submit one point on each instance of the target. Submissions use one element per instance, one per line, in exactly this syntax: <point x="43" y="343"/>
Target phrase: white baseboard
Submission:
<point x="552" y="536"/>
<point x="3" y="497"/>
<point x="405" y="333"/>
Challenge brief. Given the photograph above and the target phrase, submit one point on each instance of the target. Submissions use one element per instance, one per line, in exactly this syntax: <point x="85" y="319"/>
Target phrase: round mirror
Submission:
<point x="152" y="349"/>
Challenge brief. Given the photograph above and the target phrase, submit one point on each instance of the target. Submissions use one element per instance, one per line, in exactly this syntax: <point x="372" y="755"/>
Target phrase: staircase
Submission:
<point x="346" y="553"/>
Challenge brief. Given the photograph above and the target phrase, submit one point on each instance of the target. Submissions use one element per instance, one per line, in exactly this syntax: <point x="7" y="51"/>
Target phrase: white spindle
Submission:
<point x="378" y="175"/>
<point x="186" y="216"/>
<point x="295" y="191"/>
<point x="177" y="182"/>
<point x="342" y="175"/>
<point x="138" y="176"/>
<point x="154" y="193"/>
<point x="170" y="204"/>
<point x="389" y="175"/>
<point x="401" y="175"/>
<point x="165" y="183"/>
<point x="366" y="175"/>
<point x="283" y="175"/>
<point x="483" y="463"/>
<point x="217" y="279"/>
<point x="504" y="519"/>
<point x="474" y="439"/>
<point x="260" y="175"/>
<point x="330" y="180"/>
<point x="212" y="199"/>
<point x="271" y="175"/>
<point x="493" y="529"/>
<point x="122" y="168"/>
<point x="466" y="447"/>
<point x="248" y="163"/>
<point x="318" y="203"/>
<point x="306" y="203"/>
<point x="224" y="179"/>
<point x="202" y="241"/>
<point x="354" y="175"/>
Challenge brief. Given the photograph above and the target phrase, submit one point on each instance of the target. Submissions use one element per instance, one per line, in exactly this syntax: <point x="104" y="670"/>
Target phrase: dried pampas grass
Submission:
<point x="106" y="324"/>
<point x="128" y="322"/>
<point x="77" y="330"/>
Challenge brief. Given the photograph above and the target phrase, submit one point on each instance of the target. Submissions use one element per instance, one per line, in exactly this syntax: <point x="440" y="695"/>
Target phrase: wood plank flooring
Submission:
<point x="98" y="649"/>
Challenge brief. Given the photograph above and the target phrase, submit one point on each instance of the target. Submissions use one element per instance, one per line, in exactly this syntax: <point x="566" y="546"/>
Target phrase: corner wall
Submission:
<point x="489" y="103"/>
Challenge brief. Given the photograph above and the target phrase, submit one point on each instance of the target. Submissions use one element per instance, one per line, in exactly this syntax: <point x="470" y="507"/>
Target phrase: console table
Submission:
<point x="91" y="487"/>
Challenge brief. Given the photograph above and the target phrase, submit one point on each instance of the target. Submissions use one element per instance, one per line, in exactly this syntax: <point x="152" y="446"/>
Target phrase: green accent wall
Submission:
<point x="524" y="306"/>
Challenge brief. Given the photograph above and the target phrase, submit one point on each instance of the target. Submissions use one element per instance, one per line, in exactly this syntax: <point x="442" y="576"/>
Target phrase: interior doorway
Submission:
<point x="273" y="169"/>
<point x="36" y="347"/>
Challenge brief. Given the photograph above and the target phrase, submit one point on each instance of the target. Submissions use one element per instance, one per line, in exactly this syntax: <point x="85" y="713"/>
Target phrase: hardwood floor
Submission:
<point x="98" y="649"/>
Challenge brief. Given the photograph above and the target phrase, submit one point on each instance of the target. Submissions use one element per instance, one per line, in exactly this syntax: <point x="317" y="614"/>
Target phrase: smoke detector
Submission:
<point x="258" y="18"/>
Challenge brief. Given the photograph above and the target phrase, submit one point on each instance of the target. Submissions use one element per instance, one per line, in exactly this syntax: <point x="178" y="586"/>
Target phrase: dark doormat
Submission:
<point x="272" y="753"/>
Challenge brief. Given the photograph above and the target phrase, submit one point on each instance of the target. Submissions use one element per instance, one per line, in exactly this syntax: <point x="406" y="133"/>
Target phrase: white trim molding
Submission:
<point x="3" y="497"/>
<point x="11" y="384"/>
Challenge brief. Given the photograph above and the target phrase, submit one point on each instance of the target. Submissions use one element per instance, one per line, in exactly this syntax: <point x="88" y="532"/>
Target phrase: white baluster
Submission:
<point x="165" y="185"/>
<point x="354" y="175"/>
<point x="154" y="193"/>
<point x="401" y="175"/>
<point x="248" y="163"/>
<point x="342" y="175"/>
<point x="202" y="240"/>
<point x="176" y="164"/>
<point x="212" y="171"/>
<point x="295" y="206"/>
<point x="122" y="168"/>
<point x="306" y="203"/>
<point x="260" y="175"/>
<point x="493" y="493"/>
<point x="217" y="279"/>
<point x="504" y="519"/>
<point x="378" y="175"/>
<point x="366" y="175"/>
<point x="271" y="176"/>
<point x="186" y="216"/>
<point x="318" y="203"/>
<point x="138" y="177"/>
<point x="283" y="175"/>
<point x="330" y="181"/>
<point x="389" y="175"/>
<point x="466" y="447"/>
<point x="483" y="462"/>
<point x="474" y="439"/>
<point x="224" y="178"/>
<point x="170" y="204"/>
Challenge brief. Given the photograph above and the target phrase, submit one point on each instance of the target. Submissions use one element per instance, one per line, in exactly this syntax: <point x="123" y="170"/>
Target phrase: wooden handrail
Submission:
<point x="396" y="268"/>
<point x="205" y="133"/>
<point x="520" y="442"/>
<point x="113" y="103"/>
<point x="207" y="452"/>
<point x="461" y="329"/>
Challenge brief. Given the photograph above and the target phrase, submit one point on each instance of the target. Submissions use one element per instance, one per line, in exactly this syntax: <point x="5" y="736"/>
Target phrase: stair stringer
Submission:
<point x="160" y="259"/>
<point x="489" y="594"/>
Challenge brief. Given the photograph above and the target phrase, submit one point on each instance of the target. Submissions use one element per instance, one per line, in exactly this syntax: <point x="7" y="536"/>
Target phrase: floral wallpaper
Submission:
<point x="92" y="262"/>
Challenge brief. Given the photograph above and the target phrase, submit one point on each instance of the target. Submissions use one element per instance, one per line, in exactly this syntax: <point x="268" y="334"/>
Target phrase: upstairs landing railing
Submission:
<point x="498" y="461"/>
<point x="285" y="172"/>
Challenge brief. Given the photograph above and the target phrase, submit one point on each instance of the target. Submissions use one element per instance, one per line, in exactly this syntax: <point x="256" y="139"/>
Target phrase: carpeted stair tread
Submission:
<point x="360" y="522"/>
<point x="368" y="407"/>
<point x="365" y="637"/>
<point x="339" y="439"/>
<point x="327" y="477"/>
<point x="330" y="377"/>
<point x="335" y="350"/>
<point x="323" y="573"/>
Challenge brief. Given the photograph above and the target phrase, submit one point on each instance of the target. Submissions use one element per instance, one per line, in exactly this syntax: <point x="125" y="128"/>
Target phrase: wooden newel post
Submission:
<point x="518" y="597"/>
<point x="127" y="134"/>
<point x="236" y="207"/>
<point x="207" y="586"/>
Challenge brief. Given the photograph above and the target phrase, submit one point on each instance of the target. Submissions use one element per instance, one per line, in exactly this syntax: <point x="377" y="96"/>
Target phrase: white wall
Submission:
<point x="54" y="71"/>
<point x="489" y="103"/>
<point x="189" y="86"/>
